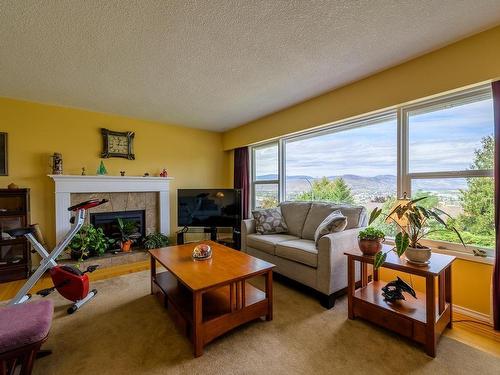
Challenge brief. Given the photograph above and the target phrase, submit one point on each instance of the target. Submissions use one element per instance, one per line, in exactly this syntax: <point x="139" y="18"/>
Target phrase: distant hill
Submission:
<point x="378" y="185"/>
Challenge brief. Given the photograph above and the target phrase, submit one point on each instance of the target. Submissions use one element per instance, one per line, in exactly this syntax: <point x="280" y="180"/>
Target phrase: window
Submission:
<point x="449" y="147"/>
<point x="265" y="176"/>
<point x="440" y="148"/>
<point x="355" y="164"/>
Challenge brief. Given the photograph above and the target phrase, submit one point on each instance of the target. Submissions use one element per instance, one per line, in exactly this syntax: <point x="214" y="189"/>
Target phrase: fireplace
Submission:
<point x="107" y="221"/>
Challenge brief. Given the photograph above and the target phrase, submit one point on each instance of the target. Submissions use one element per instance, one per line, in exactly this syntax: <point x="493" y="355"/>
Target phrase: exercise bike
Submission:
<point x="69" y="281"/>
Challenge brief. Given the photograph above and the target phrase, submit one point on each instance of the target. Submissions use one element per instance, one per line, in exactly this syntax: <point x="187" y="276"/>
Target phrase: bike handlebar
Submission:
<point x="87" y="204"/>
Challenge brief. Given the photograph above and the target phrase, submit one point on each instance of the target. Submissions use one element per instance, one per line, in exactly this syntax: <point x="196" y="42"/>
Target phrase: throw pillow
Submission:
<point x="269" y="221"/>
<point x="335" y="222"/>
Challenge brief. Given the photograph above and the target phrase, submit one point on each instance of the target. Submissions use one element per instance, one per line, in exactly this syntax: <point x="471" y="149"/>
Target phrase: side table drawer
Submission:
<point x="383" y="318"/>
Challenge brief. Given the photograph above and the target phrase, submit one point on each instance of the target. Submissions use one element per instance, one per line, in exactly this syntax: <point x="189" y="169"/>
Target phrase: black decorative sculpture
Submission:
<point x="393" y="291"/>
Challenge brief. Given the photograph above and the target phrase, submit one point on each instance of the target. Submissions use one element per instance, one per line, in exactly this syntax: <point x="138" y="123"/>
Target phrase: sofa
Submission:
<point x="295" y="254"/>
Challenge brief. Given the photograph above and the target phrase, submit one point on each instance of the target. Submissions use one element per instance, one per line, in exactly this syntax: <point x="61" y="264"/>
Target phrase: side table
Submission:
<point x="423" y="319"/>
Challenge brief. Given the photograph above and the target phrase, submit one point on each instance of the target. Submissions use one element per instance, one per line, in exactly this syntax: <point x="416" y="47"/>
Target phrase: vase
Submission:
<point x="370" y="247"/>
<point x="418" y="255"/>
<point x="126" y="246"/>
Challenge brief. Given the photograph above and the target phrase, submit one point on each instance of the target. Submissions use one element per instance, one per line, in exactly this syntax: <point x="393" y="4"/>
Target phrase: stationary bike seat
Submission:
<point x="18" y="232"/>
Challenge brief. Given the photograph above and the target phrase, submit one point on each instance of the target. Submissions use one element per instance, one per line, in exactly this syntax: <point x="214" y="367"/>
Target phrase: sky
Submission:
<point x="443" y="140"/>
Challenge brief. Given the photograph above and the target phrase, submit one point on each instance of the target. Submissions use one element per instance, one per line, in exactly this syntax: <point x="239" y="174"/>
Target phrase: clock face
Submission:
<point x="117" y="144"/>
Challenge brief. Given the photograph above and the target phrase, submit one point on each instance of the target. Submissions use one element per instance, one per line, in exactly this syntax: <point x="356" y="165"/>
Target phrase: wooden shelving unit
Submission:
<point x="15" y="254"/>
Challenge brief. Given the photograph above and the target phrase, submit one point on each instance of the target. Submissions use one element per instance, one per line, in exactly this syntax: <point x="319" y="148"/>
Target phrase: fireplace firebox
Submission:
<point x="107" y="221"/>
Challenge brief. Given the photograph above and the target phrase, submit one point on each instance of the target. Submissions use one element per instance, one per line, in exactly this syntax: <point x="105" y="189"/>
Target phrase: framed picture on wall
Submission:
<point x="117" y="144"/>
<point x="3" y="155"/>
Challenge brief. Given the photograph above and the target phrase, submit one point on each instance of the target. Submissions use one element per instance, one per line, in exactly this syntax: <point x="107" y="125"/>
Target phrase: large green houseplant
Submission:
<point x="89" y="241"/>
<point x="414" y="222"/>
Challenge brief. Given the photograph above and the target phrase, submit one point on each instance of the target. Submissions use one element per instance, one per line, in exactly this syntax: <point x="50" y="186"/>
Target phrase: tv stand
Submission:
<point x="213" y="233"/>
<point x="233" y="242"/>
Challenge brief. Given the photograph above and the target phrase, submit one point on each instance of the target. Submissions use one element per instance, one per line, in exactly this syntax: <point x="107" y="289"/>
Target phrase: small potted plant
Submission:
<point x="414" y="222"/>
<point x="155" y="241"/>
<point x="370" y="240"/>
<point x="128" y="234"/>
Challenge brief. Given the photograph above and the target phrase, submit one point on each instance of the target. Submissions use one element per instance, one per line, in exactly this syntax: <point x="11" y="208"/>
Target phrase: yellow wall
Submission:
<point x="193" y="157"/>
<point x="469" y="61"/>
<point x="466" y="62"/>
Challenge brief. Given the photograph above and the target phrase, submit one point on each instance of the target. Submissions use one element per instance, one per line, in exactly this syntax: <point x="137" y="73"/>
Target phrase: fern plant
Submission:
<point x="155" y="241"/>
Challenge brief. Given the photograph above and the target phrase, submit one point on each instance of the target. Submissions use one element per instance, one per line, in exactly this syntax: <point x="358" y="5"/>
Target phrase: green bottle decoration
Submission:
<point x="101" y="171"/>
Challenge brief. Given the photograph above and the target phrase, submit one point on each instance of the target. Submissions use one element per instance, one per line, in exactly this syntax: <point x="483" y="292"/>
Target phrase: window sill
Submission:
<point x="464" y="256"/>
<point x="459" y="254"/>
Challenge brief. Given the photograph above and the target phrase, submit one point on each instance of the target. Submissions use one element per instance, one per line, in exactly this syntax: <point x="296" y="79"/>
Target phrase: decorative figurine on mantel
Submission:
<point x="122" y="173"/>
<point x="164" y="173"/>
<point x="393" y="291"/>
<point x="146" y="174"/>
<point x="57" y="163"/>
<point x="101" y="171"/>
<point x="84" y="173"/>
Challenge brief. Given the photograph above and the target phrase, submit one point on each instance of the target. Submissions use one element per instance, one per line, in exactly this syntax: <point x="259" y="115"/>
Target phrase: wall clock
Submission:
<point x="117" y="144"/>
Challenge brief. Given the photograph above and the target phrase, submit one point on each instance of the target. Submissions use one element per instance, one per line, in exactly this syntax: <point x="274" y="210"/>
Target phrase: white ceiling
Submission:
<point x="214" y="64"/>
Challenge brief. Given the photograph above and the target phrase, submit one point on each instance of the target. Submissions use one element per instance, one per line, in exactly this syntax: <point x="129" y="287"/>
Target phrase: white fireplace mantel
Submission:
<point x="65" y="185"/>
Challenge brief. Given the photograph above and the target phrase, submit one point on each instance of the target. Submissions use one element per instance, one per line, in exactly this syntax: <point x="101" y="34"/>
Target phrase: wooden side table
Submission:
<point x="423" y="319"/>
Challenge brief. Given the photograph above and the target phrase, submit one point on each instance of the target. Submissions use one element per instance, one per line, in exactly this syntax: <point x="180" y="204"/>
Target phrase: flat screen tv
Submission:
<point x="208" y="208"/>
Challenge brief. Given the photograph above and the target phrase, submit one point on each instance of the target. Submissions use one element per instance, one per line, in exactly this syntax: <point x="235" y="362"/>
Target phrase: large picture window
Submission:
<point x="354" y="164"/>
<point x="440" y="148"/>
<point x="449" y="148"/>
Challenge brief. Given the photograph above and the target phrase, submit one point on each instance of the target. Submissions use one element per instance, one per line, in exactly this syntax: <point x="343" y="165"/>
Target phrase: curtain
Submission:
<point x="242" y="177"/>
<point x="496" y="271"/>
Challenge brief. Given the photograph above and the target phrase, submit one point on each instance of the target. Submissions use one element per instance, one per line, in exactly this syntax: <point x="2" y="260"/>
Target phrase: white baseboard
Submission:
<point x="473" y="314"/>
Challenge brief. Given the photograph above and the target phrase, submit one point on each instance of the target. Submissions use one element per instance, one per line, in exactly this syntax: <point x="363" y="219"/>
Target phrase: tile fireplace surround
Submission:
<point x="124" y="193"/>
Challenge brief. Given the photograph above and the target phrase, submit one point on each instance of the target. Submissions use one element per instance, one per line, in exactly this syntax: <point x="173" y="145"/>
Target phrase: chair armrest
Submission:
<point x="332" y="263"/>
<point x="247" y="227"/>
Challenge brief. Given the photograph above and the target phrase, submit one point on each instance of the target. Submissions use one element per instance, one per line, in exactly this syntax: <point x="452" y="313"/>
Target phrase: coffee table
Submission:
<point x="207" y="298"/>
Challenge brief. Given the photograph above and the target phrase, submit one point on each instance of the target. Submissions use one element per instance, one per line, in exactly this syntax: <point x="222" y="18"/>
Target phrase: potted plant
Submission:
<point x="414" y="222"/>
<point x="128" y="233"/>
<point x="155" y="241"/>
<point x="370" y="240"/>
<point x="89" y="241"/>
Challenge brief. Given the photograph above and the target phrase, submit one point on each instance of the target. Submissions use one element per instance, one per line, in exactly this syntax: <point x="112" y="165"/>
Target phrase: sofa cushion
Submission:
<point x="335" y="222"/>
<point x="267" y="242"/>
<point x="295" y="214"/>
<point x="301" y="251"/>
<point x="356" y="216"/>
<point x="269" y="221"/>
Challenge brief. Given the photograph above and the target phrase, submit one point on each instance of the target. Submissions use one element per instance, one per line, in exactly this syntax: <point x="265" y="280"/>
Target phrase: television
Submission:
<point x="209" y="208"/>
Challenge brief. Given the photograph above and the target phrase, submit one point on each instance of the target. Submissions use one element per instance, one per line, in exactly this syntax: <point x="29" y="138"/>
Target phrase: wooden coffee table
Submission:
<point x="207" y="298"/>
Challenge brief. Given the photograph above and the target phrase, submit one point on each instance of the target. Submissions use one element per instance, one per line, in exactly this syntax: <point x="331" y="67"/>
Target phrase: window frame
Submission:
<point x="403" y="175"/>
<point x="254" y="181"/>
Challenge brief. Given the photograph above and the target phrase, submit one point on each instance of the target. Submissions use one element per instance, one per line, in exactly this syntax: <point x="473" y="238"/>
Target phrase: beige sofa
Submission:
<point x="323" y="268"/>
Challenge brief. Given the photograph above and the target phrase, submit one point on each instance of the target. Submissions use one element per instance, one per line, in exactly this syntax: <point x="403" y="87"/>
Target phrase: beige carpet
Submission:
<point x="126" y="331"/>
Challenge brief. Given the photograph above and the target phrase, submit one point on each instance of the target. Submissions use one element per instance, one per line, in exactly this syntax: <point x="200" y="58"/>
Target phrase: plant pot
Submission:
<point x="418" y="255"/>
<point x="370" y="247"/>
<point x="77" y="255"/>
<point x="126" y="246"/>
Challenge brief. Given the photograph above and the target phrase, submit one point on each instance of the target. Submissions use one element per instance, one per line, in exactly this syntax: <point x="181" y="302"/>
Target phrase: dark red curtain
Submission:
<point x="496" y="270"/>
<point x="242" y="177"/>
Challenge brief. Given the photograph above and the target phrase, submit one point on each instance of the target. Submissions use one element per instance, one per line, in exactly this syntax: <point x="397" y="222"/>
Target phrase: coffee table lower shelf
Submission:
<point x="220" y="312"/>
